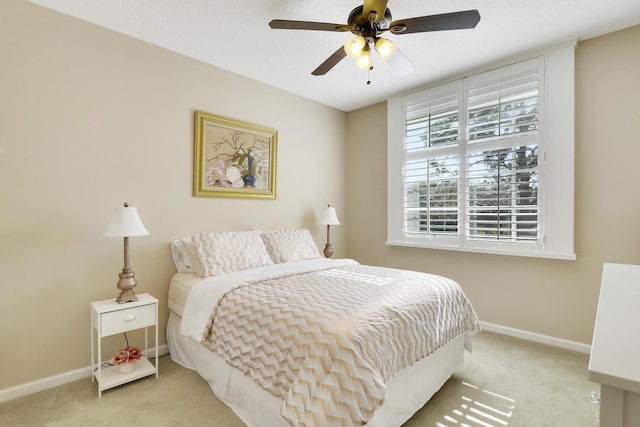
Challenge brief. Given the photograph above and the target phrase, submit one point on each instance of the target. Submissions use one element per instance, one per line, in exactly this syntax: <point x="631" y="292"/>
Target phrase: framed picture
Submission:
<point x="233" y="158"/>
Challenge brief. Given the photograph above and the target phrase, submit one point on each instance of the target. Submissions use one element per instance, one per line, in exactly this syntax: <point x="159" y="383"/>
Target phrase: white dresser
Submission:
<point x="615" y="350"/>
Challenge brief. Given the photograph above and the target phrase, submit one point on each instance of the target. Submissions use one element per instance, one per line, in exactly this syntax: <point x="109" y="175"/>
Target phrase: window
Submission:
<point x="485" y="163"/>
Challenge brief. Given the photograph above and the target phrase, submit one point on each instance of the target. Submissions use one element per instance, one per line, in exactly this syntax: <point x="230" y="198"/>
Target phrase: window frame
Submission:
<point x="555" y="165"/>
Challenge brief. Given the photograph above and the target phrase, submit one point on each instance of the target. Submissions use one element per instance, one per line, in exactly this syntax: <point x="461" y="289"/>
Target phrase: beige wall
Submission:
<point x="550" y="297"/>
<point x="90" y="119"/>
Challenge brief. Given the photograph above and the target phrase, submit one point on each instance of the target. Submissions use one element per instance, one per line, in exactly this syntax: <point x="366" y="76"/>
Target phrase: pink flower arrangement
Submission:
<point x="127" y="355"/>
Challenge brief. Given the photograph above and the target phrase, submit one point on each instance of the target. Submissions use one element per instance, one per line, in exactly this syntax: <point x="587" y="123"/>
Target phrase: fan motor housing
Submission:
<point x="363" y="25"/>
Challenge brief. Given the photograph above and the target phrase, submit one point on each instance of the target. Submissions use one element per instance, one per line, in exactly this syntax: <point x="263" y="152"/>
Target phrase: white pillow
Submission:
<point x="290" y="245"/>
<point x="229" y="251"/>
<point x="185" y="256"/>
<point x="180" y="256"/>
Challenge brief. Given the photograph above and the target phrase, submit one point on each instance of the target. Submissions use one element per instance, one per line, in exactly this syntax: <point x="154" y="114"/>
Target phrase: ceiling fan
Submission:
<point x="368" y="22"/>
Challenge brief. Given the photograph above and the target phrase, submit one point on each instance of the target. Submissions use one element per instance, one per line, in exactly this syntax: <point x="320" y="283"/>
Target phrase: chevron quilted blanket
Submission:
<point x="324" y="336"/>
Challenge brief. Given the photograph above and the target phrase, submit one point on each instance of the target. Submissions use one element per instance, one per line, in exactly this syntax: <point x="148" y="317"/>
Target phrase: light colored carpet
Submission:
<point x="511" y="382"/>
<point x="504" y="382"/>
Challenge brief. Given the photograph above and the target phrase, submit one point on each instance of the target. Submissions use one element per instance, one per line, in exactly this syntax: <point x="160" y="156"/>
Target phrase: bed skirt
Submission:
<point x="407" y="391"/>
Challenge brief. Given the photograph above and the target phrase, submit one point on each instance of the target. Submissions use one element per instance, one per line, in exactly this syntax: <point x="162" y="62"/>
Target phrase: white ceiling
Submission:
<point x="234" y="35"/>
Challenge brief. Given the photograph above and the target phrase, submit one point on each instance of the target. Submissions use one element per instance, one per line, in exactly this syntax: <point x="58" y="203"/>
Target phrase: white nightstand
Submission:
<point x="110" y="318"/>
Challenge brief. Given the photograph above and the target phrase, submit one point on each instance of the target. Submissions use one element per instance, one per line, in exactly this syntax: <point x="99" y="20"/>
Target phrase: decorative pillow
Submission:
<point x="290" y="245"/>
<point x="195" y="265"/>
<point x="229" y="251"/>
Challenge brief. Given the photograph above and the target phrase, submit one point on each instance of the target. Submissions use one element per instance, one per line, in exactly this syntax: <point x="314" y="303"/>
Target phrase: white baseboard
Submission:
<point x="60" y="379"/>
<point x="532" y="336"/>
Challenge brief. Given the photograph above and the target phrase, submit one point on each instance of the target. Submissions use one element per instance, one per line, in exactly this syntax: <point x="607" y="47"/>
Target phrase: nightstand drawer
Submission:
<point x="128" y="319"/>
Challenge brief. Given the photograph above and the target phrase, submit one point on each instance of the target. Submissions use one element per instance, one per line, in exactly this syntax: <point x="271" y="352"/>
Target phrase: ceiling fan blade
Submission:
<point x="400" y="64"/>
<point x="282" y="24"/>
<point x="446" y="21"/>
<point x="377" y="6"/>
<point x="330" y="62"/>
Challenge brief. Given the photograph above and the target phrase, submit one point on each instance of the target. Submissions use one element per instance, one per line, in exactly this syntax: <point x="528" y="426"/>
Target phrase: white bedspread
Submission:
<point x="328" y="361"/>
<point x="208" y="291"/>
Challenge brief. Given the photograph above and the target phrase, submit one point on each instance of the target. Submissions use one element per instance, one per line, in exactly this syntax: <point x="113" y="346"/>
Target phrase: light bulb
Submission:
<point x="364" y="60"/>
<point x="353" y="47"/>
<point x="385" y="48"/>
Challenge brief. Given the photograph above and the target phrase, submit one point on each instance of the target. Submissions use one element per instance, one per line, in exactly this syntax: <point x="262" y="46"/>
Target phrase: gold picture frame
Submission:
<point x="233" y="158"/>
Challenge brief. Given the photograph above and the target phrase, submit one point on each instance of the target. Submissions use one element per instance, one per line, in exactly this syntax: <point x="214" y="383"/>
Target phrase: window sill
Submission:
<point x="560" y="256"/>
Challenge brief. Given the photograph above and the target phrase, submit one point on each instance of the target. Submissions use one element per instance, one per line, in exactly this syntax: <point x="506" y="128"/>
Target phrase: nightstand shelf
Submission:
<point x="110" y="318"/>
<point x="111" y="376"/>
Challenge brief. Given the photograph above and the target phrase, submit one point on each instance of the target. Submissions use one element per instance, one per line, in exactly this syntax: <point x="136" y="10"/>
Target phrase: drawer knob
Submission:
<point x="130" y="317"/>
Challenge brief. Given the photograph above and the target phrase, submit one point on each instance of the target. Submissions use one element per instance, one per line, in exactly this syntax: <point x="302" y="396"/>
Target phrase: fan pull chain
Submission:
<point x="369" y="75"/>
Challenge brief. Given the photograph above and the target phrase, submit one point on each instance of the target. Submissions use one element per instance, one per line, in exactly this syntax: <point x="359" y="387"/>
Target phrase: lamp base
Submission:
<point x="126" y="296"/>
<point x="126" y="284"/>
<point x="328" y="250"/>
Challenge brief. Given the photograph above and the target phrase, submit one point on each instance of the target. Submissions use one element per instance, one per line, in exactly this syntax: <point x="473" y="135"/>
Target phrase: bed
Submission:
<point x="285" y="337"/>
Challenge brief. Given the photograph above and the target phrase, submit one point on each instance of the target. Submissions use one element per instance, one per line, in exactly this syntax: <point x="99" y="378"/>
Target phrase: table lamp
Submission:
<point x="126" y="223"/>
<point x="328" y="217"/>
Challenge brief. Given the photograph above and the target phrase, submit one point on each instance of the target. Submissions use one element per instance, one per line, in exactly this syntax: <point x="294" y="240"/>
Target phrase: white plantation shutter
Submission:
<point x="497" y="179"/>
<point x="431" y="174"/>
<point x="431" y="196"/>
<point x="504" y="106"/>
<point x="473" y="162"/>
<point x="502" y="155"/>
<point x="502" y="195"/>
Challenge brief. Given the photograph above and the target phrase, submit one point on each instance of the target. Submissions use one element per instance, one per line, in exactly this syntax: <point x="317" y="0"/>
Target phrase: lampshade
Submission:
<point x="364" y="60"/>
<point x="125" y="223"/>
<point x="354" y="46"/>
<point x="329" y="217"/>
<point x="385" y="48"/>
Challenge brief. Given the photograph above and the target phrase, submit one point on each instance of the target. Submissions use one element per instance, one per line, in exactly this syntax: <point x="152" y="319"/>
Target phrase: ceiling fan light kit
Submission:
<point x="353" y="47"/>
<point x="368" y="22"/>
<point x="358" y="47"/>
<point x="385" y="48"/>
<point x="364" y="59"/>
